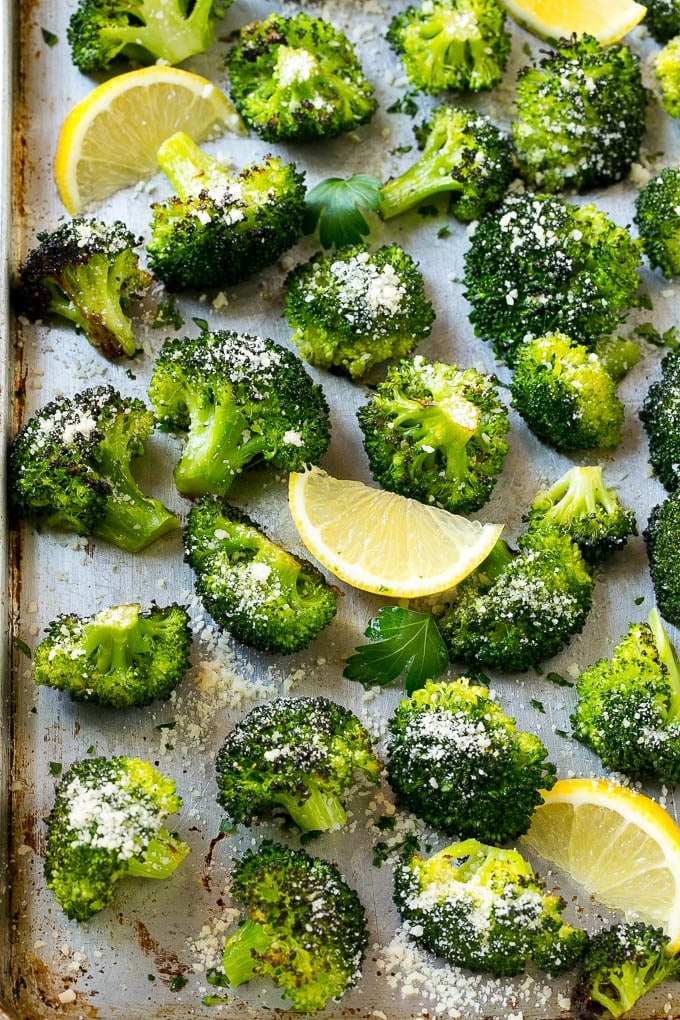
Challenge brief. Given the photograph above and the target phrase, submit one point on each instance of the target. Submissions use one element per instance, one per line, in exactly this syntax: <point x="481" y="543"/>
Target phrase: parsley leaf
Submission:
<point x="402" y="641"/>
<point x="335" y="205"/>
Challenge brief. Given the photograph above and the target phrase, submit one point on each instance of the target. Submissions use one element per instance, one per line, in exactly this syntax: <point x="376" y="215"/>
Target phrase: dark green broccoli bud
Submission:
<point x="107" y="823"/>
<point x="518" y="609"/>
<point x="451" y="45"/>
<point x="306" y="928"/>
<point x="258" y="591"/>
<point x="484" y="908"/>
<point x="145" y="31"/>
<point x="667" y="69"/>
<point x="628" y="709"/>
<point x="240" y="399"/>
<point x="436" y="433"/>
<point x="622" y="964"/>
<point x="657" y="217"/>
<point x="580" y="115"/>
<point x="582" y="506"/>
<point x="120" y="657"/>
<point x="298" y="78"/>
<point x="662" y="536"/>
<point x="296" y="754"/>
<point x="538" y="266"/>
<point x="460" y="763"/>
<point x="660" y="415"/>
<point x="355" y="308"/>
<point x="464" y="155"/>
<point x="69" y="467"/>
<point x="86" y="272"/>
<point x="222" y="226"/>
<point x="662" y="19"/>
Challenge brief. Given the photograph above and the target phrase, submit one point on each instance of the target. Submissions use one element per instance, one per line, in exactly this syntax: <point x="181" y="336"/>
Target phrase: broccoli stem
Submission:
<point x="439" y="432"/>
<point x="167" y="32"/>
<point x="669" y="657"/>
<point x="495" y="563"/>
<point x="427" y="177"/>
<point x="239" y="958"/>
<point x="188" y="168"/>
<point x="162" y="856"/>
<point x="317" y="813"/>
<point x="219" y="445"/>
<point x="108" y="640"/>
<point x="622" y="988"/>
<point x="89" y="295"/>
<point x="581" y="491"/>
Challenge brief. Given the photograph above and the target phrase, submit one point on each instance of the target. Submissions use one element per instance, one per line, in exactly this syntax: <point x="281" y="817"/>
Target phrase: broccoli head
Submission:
<point x="306" y="928"/>
<point x="107" y="823"/>
<point x="484" y="908"/>
<point x="657" y="215"/>
<point x="70" y="468"/>
<point x="221" y="226"/>
<point x="355" y="308"/>
<point x="240" y="399"/>
<point x="298" y="78"/>
<point x="538" y="266"/>
<point x="86" y="272"/>
<point x="299" y="755"/>
<point x="120" y="657"/>
<point x="258" y="591"/>
<point x="451" y="45"/>
<point x="662" y="19"/>
<point x="662" y="537"/>
<point x="460" y="763"/>
<point x="667" y="70"/>
<point x="436" y="433"/>
<point x="464" y="155"/>
<point x="660" y="415"/>
<point x="580" y="115"/>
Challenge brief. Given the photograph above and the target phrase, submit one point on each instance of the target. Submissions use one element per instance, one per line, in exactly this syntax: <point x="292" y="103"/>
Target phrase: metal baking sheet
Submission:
<point x="145" y="957"/>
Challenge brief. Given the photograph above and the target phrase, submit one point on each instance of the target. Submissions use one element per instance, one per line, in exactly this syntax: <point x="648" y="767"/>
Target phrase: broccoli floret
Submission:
<point x="580" y="115"/>
<point x="451" y="45"/>
<point x="355" y="308"/>
<point x="436" y="433"/>
<point x="621" y="964"/>
<point x="667" y="69"/>
<point x="662" y="19"/>
<point x="581" y="505"/>
<point x="70" y="468"/>
<point x="240" y="399"/>
<point x="517" y="609"/>
<point x="106" y="823"/>
<point x="464" y="155"/>
<point x="484" y="908"/>
<point x="538" y="266"/>
<point x="258" y="591"/>
<point x="121" y="656"/>
<point x="657" y="217"/>
<point x="145" y="31"/>
<point x="222" y="226"/>
<point x="86" y="272"/>
<point x="460" y="763"/>
<point x="628" y="709"/>
<point x="306" y="928"/>
<point x="662" y="536"/>
<point x="298" y="78"/>
<point x="296" y="754"/>
<point x="660" y="415"/>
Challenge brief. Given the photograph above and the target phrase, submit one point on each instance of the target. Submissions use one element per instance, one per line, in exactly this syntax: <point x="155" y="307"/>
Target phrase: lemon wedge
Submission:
<point x="607" y="20"/>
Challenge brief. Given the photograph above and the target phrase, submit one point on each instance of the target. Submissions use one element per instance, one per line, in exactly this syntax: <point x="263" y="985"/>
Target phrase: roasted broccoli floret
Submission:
<point x="464" y="155"/>
<point x="121" y="657"/>
<point x="258" y="591"/>
<point x="306" y="928"/>
<point x="517" y="609"/>
<point x="145" y="31"/>
<point x="662" y="536"/>
<point x="538" y="266"/>
<point x="583" y="507"/>
<point x="660" y="415"/>
<point x="628" y="708"/>
<point x="298" y="78"/>
<point x="667" y="69"/>
<point x="355" y="308"/>
<point x="240" y="399"/>
<point x="436" y="433"/>
<point x="566" y="394"/>
<point x="69" y="468"/>
<point x="657" y="217"/>
<point x="484" y="908"/>
<point x="580" y="115"/>
<point x="299" y="755"/>
<point x="107" y="823"/>
<point x="88" y="273"/>
<point x="456" y="45"/>
<point x="662" y="19"/>
<point x="222" y="226"/>
<point x="460" y="763"/>
<point x="621" y="964"/>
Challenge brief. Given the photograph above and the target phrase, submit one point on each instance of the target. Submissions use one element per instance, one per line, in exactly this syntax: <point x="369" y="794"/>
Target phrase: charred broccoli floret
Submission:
<point x="88" y="273"/>
<point x="69" y="467"/>
<point x="660" y="415"/>
<point x="460" y="763"/>
<point x="662" y="536"/>
<point x="662" y="19"/>
<point x="657" y="217"/>
<point x="221" y="226"/>
<point x="667" y="69"/>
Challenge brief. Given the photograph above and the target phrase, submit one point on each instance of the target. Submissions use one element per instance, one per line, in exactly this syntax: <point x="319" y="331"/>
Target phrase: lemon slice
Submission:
<point x="110" y="138"/>
<point x="622" y="847"/>
<point x="384" y="543"/>
<point x="607" y="20"/>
